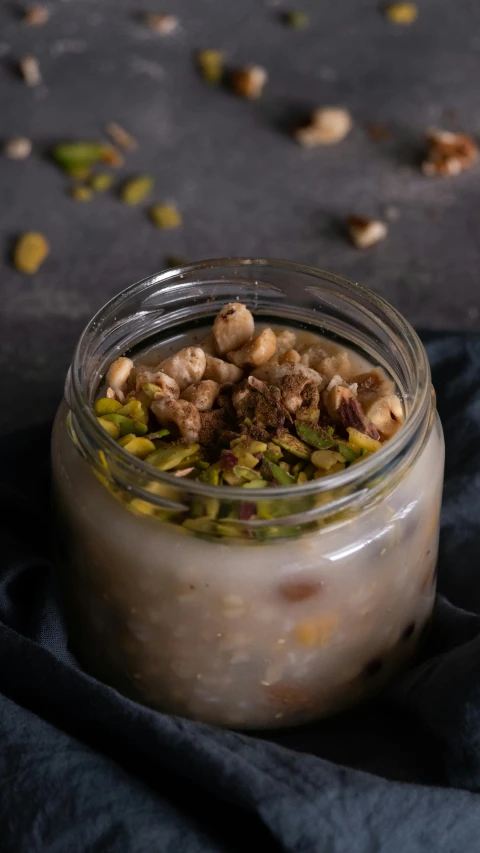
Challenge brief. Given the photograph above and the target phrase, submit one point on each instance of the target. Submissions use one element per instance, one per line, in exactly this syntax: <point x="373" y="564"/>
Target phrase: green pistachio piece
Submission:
<point x="274" y="472"/>
<point x="308" y="416"/>
<point x="106" y="406"/>
<point x="223" y="528"/>
<point x="255" y="484"/>
<point x="292" y="444"/>
<point x="160" y="433"/>
<point x="347" y="451"/>
<point x="140" y="447"/>
<point x="327" y="459"/>
<point x="302" y="478"/>
<point x="101" y="182"/>
<point x="112" y="429"/>
<point x="273" y="452"/>
<point x="171" y="456"/>
<point x="297" y="20"/>
<point x="150" y="389"/>
<point x="245" y="473"/>
<point x="135" y="410"/>
<point x="166" y="216"/>
<point x="135" y="190"/>
<point x="126" y="424"/>
<point x="126" y="438"/>
<point x="231" y="478"/>
<point x="315" y="437"/>
<point x="204" y="524"/>
<point x="70" y="155"/>
<point x="211" y="476"/>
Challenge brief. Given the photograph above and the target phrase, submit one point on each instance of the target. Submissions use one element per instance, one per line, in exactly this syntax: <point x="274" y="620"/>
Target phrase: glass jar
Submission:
<point x="294" y="608"/>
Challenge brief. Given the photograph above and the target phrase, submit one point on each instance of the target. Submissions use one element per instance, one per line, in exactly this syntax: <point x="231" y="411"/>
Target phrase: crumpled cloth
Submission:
<point x="84" y="769"/>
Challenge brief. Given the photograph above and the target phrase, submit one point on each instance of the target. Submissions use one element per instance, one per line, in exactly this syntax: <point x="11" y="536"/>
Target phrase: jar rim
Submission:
<point x="380" y="311"/>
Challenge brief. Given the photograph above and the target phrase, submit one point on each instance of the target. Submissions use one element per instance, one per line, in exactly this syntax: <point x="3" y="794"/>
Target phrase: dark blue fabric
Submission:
<point x="83" y="769"/>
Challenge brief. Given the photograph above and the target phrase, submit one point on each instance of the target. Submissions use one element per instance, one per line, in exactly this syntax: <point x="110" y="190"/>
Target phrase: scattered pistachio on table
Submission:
<point x="166" y="216"/>
<point x="401" y="13"/>
<point x="296" y="20"/>
<point x="81" y="193"/>
<point x="135" y="190"/>
<point x="365" y="232"/>
<point x="211" y="65"/>
<point x="30" y="251"/>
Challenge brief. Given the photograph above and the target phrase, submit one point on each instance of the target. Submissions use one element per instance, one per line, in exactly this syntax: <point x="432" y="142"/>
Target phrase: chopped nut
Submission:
<point x="210" y="63"/>
<point x="30" y="70"/>
<point x="291" y="356"/>
<point x="448" y="153"/>
<point x="117" y="376"/>
<point x="135" y="190"/>
<point x="81" y="193"/>
<point x="166" y="216"/>
<point x="121" y="137"/>
<point x="401" y="13"/>
<point x="101" y="182"/>
<point x="387" y="415"/>
<point x="162" y="24"/>
<point x="249" y="82"/>
<point x="186" y="366"/>
<point x="36" y="16"/>
<point x="256" y="352"/>
<point x="364" y="232"/>
<point x="18" y="148"/>
<point x="179" y="414"/>
<point x="297" y="20"/>
<point x="30" y="252"/>
<point x="326" y="459"/>
<point x="111" y="157"/>
<point x="233" y="327"/>
<point x="328" y="126"/>
<point x="202" y="394"/>
<point x="351" y="414"/>
<point x="361" y="442"/>
<point x="285" y="340"/>
<point x="221" y="371"/>
<point x="372" y="385"/>
<point x="163" y="385"/>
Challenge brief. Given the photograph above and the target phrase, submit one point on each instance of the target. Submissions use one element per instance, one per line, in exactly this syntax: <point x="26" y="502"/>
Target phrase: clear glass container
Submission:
<point x="304" y="603"/>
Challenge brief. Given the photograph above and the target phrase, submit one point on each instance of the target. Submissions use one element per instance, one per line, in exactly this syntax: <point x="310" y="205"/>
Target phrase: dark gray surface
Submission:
<point x="243" y="185"/>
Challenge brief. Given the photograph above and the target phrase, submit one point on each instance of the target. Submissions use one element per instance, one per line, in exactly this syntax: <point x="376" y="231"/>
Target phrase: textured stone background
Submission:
<point x="243" y="185"/>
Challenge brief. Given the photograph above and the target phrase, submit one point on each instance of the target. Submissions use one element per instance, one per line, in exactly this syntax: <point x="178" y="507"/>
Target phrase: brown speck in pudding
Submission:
<point x="408" y="632"/>
<point x="285" y="695"/>
<point x="373" y="667"/>
<point x="299" y="590"/>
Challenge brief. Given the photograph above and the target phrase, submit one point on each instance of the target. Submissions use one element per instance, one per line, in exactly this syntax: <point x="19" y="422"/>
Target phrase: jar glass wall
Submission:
<point x="307" y="598"/>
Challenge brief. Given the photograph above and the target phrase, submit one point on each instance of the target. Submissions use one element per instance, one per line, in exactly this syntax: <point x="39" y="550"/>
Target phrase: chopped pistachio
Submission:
<point x="30" y="252"/>
<point x="81" y="193"/>
<point x="170" y="456"/>
<point x="297" y="20"/>
<point x="347" y="452"/>
<point x="78" y="173"/>
<point x="231" y="478"/>
<point x="401" y="13"/>
<point x="273" y="452"/>
<point x="159" y="433"/>
<point x="126" y="438"/>
<point x="359" y="441"/>
<point x="78" y="154"/>
<point x="276" y="473"/>
<point x="134" y="191"/>
<point x="112" y="429"/>
<point x="135" y="410"/>
<point x="302" y="477"/>
<point x="326" y="459"/>
<point x="166" y="216"/>
<point x="203" y="524"/>
<point x="210" y="475"/>
<point x="107" y="406"/>
<point x="255" y="484"/>
<point x="245" y="473"/>
<point x="210" y="63"/>
<point x="314" y="437"/>
<point x="101" y="182"/>
<point x="140" y="447"/>
<point x="308" y="416"/>
<point x="293" y="445"/>
<point x="126" y="424"/>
